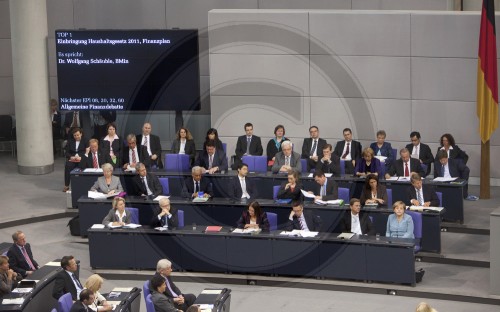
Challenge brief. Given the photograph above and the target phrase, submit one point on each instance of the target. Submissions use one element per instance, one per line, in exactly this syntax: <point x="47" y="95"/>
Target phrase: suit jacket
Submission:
<point x="313" y="222"/>
<point x="62" y="285"/>
<point x="17" y="261"/>
<point x="102" y="158"/>
<point x="56" y="126"/>
<point x="235" y="190"/>
<point x="189" y="149"/>
<point x="424" y="154"/>
<point x="385" y="150"/>
<point x="280" y="161"/>
<point x="333" y="167"/>
<point x="220" y="160"/>
<point x="112" y="217"/>
<point x="6" y="286"/>
<point x="365" y="222"/>
<point x="429" y="195"/>
<point x="355" y="149"/>
<point x="255" y="146"/>
<point x="288" y="194"/>
<point x="381" y="193"/>
<point x="262" y="221"/>
<point x="78" y="306"/>
<point x="141" y="151"/>
<point x="271" y="149"/>
<point x="172" y="222"/>
<point x="456" y="168"/>
<point x="376" y="166"/>
<point x="172" y="285"/>
<point x="397" y="168"/>
<point x="188" y="187"/>
<point x="307" y="146"/>
<point x="155" y="145"/>
<point x="71" y="148"/>
<point x="153" y="184"/>
<point x="101" y="186"/>
<point x="331" y="190"/>
<point x="456" y="153"/>
<point x="116" y="145"/>
<point x="162" y="303"/>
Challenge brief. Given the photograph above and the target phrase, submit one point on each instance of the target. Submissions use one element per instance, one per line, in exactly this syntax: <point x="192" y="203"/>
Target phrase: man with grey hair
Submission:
<point x="133" y="153"/>
<point x="196" y="183"/>
<point x="146" y="184"/>
<point x="20" y="256"/>
<point x="164" y="215"/>
<point x="286" y="159"/>
<point x="182" y="301"/>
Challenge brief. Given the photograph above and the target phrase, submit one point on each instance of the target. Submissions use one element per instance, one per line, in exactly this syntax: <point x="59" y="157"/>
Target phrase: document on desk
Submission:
<point x="246" y="231"/>
<point x="381" y="158"/>
<point x="443" y="179"/>
<point x="328" y="175"/>
<point x="22" y="290"/>
<point x="308" y="195"/>
<point x="96" y="195"/>
<point x="157" y="198"/>
<point x="422" y="208"/>
<point x="200" y="199"/>
<point x="111" y="226"/>
<point x="339" y="202"/>
<point x="93" y="170"/>
<point x="345" y="235"/>
<point x="131" y="226"/>
<point x="98" y="226"/>
<point x="13" y="301"/>
<point x="211" y="291"/>
<point x="392" y="179"/>
<point x="299" y="233"/>
<point x="55" y="263"/>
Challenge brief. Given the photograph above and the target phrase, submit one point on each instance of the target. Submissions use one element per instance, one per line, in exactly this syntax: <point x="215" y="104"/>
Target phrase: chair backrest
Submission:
<point x="394" y="153"/>
<point x="342" y="167"/>
<point x="65" y="302"/>
<point x="150" y="307"/>
<point x="134" y="218"/>
<point x="424" y="168"/>
<point x="440" y="197"/>
<point x="145" y="289"/>
<point x="303" y="163"/>
<point x="164" y="185"/>
<point x="176" y="162"/>
<point x="180" y="218"/>
<point x="344" y="194"/>
<point x="273" y="221"/>
<point x="224" y="146"/>
<point x="276" y="189"/>
<point x="417" y="223"/>
<point x="389" y="198"/>
<point x="255" y="163"/>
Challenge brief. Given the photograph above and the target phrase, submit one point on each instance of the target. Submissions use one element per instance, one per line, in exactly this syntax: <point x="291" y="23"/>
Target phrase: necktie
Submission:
<point x="323" y="190"/>
<point x="287" y="160"/>
<point x="170" y="288"/>
<point x="249" y="139"/>
<point x="145" y="141"/>
<point x="346" y="150"/>
<point x="76" y="281"/>
<point x="442" y="171"/>
<point x="243" y="188"/>
<point x="210" y="161"/>
<point x="197" y="186"/>
<point x="419" y="197"/>
<point x="27" y="258"/>
<point x="134" y="159"/>
<point x="95" y="164"/>
<point x="302" y="227"/>
<point x="313" y="148"/>
<point x="75" y="120"/>
<point x="407" y="172"/>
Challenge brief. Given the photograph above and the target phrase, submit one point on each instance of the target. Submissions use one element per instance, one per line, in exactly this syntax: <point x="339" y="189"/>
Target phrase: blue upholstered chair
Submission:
<point x="65" y="302"/>
<point x="417" y="227"/>
<point x="134" y="214"/>
<point x="273" y="221"/>
<point x="164" y="185"/>
<point x="344" y="194"/>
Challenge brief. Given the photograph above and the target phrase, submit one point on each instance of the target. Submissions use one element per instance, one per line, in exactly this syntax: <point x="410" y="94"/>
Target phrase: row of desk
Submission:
<point x="225" y="212"/>
<point x="452" y="192"/>
<point x="361" y="258"/>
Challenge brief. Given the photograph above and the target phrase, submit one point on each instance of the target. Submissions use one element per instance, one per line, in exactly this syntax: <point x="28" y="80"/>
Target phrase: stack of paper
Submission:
<point x="443" y="179"/>
<point x="339" y="202"/>
<point x="99" y="195"/>
<point x="346" y="235"/>
<point x="13" y="301"/>
<point x="300" y="233"/>
<point x="157" y="198"/>
<point x="98" y="226"/>
<point x="132" y="226"/>
<point x="200" y="199"/>
<point x="92" y="170"/>
<point x="422" y="208"/>
<point x="246" y="231"/>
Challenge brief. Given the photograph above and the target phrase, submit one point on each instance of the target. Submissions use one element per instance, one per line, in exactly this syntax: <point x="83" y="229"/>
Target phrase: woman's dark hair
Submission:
<point x="369" y="177"/>
<point x="212" y="131"/>
<point x="279" y="127"/>
<point x="111" y="124"/>
<point x="156" y="281"/>
<point x="256" y="207"/>
<point x="295" y="174"/>
<point x="449" y="137"/>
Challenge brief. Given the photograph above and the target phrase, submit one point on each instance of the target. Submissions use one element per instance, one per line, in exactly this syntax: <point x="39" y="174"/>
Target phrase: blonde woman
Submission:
<point x="117" y="215"/>
<point x="94" y="283"/>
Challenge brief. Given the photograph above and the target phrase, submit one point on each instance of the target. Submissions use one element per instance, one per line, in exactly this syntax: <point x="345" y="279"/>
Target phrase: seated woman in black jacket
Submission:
<point x="184" y="144"/>
<point x="292" y="188"/>
<point x="253" y="218"/>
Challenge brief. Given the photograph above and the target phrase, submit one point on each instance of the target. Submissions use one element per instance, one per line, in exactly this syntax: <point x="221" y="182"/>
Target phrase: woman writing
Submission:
<point x="292" y="188"/>
<point x="94" y="283"/>
<point x="253" y="218"/>
<point x="108" y="183"/>
<point x="368" y="165"/>
<point x="373" y="192"/>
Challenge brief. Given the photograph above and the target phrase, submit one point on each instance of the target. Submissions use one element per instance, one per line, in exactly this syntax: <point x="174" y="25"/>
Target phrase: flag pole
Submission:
<point x="484" y="182"/>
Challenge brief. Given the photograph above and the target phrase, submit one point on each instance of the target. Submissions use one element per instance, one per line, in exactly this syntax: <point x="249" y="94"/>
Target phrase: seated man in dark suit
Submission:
<point x="196" y="183"/>
<point x="181" y="300"/>
<point x="133" y="153"/>
<point x="287" y="159"/>
<point x="242" y="187"/>
<point x="356" y="221"/>
<point x="302" y="220"/>
<point x="404" y="166"/>
<point x="420" y="151"/>
<point x="324" y="189"/>
<point x="451" y="168"/>
<point x="248" y="144"/>
<point x="421" y="194"/>
<point x="348" y="150"/>
<point x="87" y="297"/>
<point x="152" y="144"/>
<point x="329" y="163"/>
<point x="164" y="215"/>
<point x="146" y="184"/>
<point x="212" y="159"/>
<point x="20" y="256"/>
<point x="312" y="148"/>
<point x="66" y="281"/>
<point x="94" y="158"/>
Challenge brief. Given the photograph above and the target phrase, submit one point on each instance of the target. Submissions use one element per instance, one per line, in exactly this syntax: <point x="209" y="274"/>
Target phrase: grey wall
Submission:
<point x="397" y="71"/>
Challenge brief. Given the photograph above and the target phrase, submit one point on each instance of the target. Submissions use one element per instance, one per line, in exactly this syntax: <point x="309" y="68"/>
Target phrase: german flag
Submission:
<point x="487" y="80"/>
